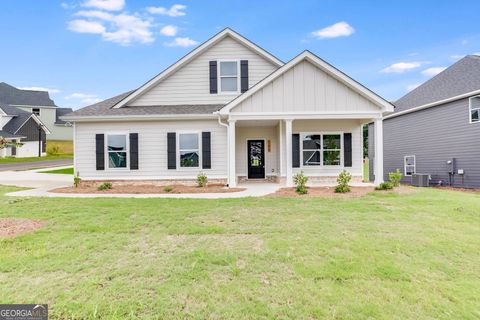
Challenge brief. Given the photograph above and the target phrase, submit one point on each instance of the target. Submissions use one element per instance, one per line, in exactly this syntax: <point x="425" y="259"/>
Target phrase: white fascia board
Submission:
<point x="303" y="115"/>
<point x="140" y="118"/>
<point x="31" y="106"/>
<point x="194" y="53"/>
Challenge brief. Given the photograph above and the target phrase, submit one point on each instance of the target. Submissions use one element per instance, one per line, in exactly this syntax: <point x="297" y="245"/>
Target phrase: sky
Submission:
<point x="84" y="51"/>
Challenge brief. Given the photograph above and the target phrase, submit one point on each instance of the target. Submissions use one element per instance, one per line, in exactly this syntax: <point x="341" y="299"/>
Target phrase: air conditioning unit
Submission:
<point x="420" y="180"/>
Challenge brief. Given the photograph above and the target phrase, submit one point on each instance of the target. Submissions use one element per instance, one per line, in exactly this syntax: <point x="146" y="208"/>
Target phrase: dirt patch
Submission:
<point x="329" y="192"/>
<point x="12" y="227"/>
<point x="125" y="188"/>
<point x="475" y="191"/>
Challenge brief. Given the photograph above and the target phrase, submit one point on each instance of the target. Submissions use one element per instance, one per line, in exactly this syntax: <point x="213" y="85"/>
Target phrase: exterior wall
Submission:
<point x="434" y="136"/>
<point x="266" y="133"/>
<point x="60" y="132"/>
<point x="306" y="88"/>
<point x="28" y="149"/>
<point x="190" y="84"/>
<point x="48" y="115"/>
<point x="152" y="146"/>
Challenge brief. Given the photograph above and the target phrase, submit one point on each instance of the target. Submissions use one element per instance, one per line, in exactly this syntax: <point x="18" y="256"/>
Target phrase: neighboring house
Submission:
<point x="234" y="111"/>
<point x="21" y="126"/>
<point x="435" y="123"/>
<point x="39" y="103"/>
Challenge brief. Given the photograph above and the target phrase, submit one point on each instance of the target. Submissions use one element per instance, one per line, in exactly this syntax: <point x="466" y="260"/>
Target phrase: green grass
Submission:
<point x="366" y="175"/>
<point x="60" y="171"/>
<point x="383" y="256"/>
<point x="10" y="160"/>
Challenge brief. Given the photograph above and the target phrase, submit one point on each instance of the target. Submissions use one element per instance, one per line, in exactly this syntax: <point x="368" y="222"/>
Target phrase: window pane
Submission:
<point x="117" y="142"/>
<point x="188" y="141"/>
<point x="331" y="141"/>
<point x="228" y="84"/>
<point x="475" y="102"/>
<point x="117" y="159"/>
<point x="311" y="158"/>
<point x="311" y="141"/>
<point x="409" y="170"/>
<point x="331" y="158"/>
<point x="189" y="159"/>
<point x="228" y="68"/>
<point x="475" y="115"/>
<point x="409" y="161"/>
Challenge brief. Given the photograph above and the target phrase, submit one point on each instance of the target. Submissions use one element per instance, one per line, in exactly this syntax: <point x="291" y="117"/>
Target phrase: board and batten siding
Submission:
<point x="190" y="84"/>
<point x="152" y="149"/>
<point x="434" y="136"/>
<point x="306" y="87"/>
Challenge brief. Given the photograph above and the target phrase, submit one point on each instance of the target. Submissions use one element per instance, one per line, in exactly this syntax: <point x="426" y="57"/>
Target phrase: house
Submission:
<point x="17" y="125"/>
<point x="435" y="128"/>
<point x="233" y="111"/>
<point x="39" y="103"/>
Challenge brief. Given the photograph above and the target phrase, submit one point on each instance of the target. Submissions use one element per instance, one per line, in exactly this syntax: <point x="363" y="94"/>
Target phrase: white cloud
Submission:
<point x="430" y="72"/>
<point x="84" y="26"/>
<point x="182" y="42"/>
<point x="169" y="31"/>
<point x="457" y="56"/>
<point x="339" y="29"/>
<point x="110" y="5"/>
<point x="50" y="90"/>
<point x="177" y="10"/>
<point x="84" y="98"/>
<point x="413" y="86"/>
<point x="401" y="67"/>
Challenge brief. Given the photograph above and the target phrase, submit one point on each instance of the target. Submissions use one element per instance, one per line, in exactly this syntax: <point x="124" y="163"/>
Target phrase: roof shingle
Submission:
<point x="11" y="95"/>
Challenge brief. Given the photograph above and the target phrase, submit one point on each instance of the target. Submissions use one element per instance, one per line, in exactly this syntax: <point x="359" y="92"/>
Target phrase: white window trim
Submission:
<point x="200" y="158"/>
<point x="405" y="165"/>
<point x="107" y="157"/>
<point x="219" y="77"/>
<point x="303" y="134"/>
<point x="470" y="109"/>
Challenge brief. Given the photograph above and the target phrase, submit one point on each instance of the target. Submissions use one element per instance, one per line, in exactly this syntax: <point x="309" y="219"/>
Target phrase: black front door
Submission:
<point x="256" y="159"/>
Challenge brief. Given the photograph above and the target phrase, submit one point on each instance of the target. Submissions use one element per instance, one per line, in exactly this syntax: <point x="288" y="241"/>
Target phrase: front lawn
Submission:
<point x="10" y="160"/>
<point x="382" y="256"/>
<point x="60" y="171"/>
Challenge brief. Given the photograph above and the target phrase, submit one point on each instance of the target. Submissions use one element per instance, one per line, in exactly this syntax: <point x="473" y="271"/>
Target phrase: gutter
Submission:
<point x="139" y="117"/>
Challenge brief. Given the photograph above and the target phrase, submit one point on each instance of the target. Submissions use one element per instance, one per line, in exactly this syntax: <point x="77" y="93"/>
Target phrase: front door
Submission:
<point x="256" y="159"/>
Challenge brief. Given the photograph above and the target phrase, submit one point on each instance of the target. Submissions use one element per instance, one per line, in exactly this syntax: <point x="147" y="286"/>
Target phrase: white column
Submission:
<point x="288" y="153"/>
<point x="378" y="166"/>
<point x="232" y="177"/>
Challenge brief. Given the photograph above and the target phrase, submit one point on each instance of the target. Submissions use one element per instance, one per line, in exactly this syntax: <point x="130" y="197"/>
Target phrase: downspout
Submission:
<point x="228" y="153"/>
<point x="39" y="141"/>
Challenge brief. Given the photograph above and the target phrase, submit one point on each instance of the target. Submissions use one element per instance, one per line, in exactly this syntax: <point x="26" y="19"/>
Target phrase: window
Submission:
<point x="36" y="111"/>
<point x="321" y="149"/>
<point x="117" y="148"/>
<point x="409" y="165"/>
<point x="189" y="150"/>
<point x="475" y="109"/>
<point x="229" y="76"/>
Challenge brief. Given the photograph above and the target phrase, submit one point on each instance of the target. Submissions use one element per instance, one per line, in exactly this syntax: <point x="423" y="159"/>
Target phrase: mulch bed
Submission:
<point x="476" y="191"/>
<point x="123" y="188"/>
<point x="329" y="192"/>
<point x="12" y="227"/>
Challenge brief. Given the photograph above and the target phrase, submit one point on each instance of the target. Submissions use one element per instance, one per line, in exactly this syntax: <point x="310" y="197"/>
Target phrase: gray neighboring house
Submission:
<point x="435" y="123"/>
<point x="40" y="104"/>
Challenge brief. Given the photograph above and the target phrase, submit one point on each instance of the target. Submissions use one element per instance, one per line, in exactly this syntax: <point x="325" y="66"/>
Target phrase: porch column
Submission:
<point x="232" y="177"/>
<point x="378" y="166"/>
<point x="288" y="153"/>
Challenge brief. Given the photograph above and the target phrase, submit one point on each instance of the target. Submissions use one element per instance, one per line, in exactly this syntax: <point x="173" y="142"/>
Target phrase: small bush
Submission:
<point x="202" y="180"/>
<point x="105" y="186"/>
<point x="168" y="189"/>
<point x="300" y="180"/>
<point x="343" y="179"/>
<point x="53" y="151"/>
<point x="385" y="186"/>
<point x="395" y="177"/>
<point x="76" y="179"/>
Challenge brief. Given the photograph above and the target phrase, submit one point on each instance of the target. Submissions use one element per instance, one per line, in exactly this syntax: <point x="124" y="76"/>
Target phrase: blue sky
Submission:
<point x="86" y="50"/>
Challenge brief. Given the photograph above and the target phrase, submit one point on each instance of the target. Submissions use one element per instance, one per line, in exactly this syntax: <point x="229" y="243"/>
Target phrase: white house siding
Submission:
<point x="190" y="84"/>
<point x="152" y="149"/>
<point x="60" y="132"/>
<point x="28" y="149"/>
<point x="306" y="88"/>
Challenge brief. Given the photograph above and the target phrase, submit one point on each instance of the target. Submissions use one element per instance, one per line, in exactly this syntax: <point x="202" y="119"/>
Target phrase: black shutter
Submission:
<point x="347" y="149"/>
<point x="206" y="151"/>
<point x="213" y="77"/>
<point x="172" y="150"/>
<point x="100" y="151"/>
<point x="296" y="150"/>
<point x="244" y="75"/>
<point x="133" y="151"/>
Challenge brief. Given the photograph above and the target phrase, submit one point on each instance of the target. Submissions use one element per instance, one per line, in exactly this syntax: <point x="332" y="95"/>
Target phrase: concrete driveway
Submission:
<point x="35" y="179"/>
<point x="35" y="164"/>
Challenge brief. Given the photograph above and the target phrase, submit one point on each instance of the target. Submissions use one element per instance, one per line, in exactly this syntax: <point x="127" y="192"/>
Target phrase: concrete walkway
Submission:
<point x="35" y="164"/>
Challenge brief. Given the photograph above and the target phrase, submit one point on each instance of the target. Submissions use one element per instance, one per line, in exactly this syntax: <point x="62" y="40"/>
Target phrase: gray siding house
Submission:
<point x="434" y="124"/>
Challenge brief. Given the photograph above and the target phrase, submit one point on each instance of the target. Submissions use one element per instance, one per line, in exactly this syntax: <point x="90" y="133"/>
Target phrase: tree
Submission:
<point x="5" y="144"/>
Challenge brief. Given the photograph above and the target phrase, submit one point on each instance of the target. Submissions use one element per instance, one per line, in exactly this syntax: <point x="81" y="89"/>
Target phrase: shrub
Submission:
<point x="385" y="186"/>
<point x="168" y="189"/>
<point x="300" y="180"/>
<point x="76" y="179"/>
<point x="202" y="179"/>
<point x="395" y="177"/>
<point x="53" y="151"/>
<point x="105" y="186"/>
<point x="343" y="179"/>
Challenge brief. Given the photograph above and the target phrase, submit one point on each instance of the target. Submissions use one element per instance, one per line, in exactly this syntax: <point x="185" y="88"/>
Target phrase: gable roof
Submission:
<point x="321" y="64"/>
<point x="18" y="97"/>
<point x="60" y="112"/>
<point x="460" y="78"/>
<point x="20" y="117"/>
<point x="227" y="32"/>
